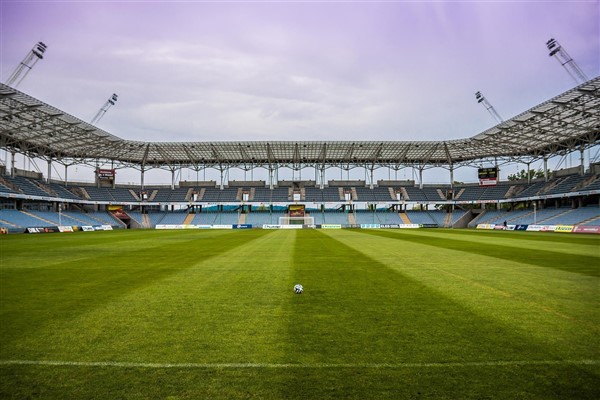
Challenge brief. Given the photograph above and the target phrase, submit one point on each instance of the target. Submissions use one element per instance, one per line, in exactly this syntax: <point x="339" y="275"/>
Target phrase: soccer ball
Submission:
<point x="298" y="288"/>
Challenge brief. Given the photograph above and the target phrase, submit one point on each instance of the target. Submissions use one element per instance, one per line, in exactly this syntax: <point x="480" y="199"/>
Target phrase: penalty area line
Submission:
<point x="119" y="364"/>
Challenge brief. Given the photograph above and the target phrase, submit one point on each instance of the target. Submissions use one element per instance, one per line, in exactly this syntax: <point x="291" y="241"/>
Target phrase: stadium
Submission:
<point x="304" y="286"/>
<point x="565" y="199"/>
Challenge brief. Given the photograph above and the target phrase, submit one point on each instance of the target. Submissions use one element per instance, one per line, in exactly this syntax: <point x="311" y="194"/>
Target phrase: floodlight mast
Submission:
<point x="36" y="54"/>
<point x="109" y="103"/>
<point x="566" y="61"/>
<point x="481" y="99"/>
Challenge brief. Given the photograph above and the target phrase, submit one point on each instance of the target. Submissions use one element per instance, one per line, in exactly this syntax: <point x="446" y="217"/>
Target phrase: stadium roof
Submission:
<point x="565" y="123"/>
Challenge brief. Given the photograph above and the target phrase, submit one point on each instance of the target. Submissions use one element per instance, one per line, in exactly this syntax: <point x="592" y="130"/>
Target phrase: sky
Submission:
<point x="302" y="70"/>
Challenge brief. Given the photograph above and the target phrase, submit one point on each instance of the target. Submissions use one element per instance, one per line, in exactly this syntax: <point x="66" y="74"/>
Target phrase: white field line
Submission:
<point x="118" y="364"/>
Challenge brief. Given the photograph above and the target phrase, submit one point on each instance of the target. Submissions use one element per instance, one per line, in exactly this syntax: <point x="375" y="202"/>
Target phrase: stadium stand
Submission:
<point x="37" y="212"/>
<point x="330" y="217"/>
<point x="257" y="218"/>
<point x="27" y="187"/>
<point x="385" y="217"/>
<point x="216" y="195"/>
<point x="23" y="219"/>
<point x="573" y="216"/>
<point x="174" y="218"/>
<point x="420" y="217"/>
<point x="439" y="217"/>
<point x="55" y="219"/>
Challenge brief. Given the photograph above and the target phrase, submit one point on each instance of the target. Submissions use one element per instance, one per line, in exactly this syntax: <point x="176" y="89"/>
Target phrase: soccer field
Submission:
<point x="384" y="314"/>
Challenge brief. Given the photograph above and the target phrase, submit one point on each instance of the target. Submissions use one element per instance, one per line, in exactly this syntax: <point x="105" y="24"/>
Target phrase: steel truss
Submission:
<point x="566" y="123"/>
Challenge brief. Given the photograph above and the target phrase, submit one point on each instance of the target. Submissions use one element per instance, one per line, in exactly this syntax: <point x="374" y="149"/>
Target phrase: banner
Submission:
<point x="270" y="226"/>
<point x="534" y="228"/>
<point x="65" y="229"/>
<point x="169" y="226"/>
<point x="242" y="226"/>
<point x="521" y="227"/>
<point x="331" y="226"/>
<point x="485" y="226"/>
<point x="291" y="226"/>
<point x="564" y="228"/>
<point x="370" y="226"/>
<point x="103" y="228"/>
<point x="87" y="228"/>
<point x="586" y="229"/>
<point x="410" y="226"/>
<point x="47" y="229"/>
<point x="222" y="227"/>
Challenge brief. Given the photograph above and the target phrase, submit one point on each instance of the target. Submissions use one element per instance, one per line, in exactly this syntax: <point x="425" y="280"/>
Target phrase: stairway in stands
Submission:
<point x="404" y="218"/>
<point x="188" y="219"/>
<point x="146" y="221"/>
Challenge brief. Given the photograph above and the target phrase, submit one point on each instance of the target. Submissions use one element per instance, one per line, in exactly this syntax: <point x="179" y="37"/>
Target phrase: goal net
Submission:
<point x="306" y="220"/>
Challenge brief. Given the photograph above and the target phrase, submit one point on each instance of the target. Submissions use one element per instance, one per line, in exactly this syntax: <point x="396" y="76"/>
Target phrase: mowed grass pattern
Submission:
<point x="385" y="314"/>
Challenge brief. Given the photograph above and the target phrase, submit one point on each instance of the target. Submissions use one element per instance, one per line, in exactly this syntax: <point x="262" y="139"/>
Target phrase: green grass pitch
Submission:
<point x="385" y="314"/>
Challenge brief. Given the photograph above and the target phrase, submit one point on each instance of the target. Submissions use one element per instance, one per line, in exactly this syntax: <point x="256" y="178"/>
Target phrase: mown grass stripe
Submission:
<point x="581" y="264"/>
<point x="357" y="308"/>
<point x="48" y="296"/>
<point x="586" y="247"/>
<point x="528" y="300"/>
<point x="450" y="364"/>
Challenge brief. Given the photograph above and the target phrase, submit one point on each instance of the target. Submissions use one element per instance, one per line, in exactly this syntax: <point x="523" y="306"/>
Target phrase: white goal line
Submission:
<point x="119" y="364"/>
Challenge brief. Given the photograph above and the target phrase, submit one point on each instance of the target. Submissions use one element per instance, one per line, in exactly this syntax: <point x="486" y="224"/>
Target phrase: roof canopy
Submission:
<point x="565" y="123"/>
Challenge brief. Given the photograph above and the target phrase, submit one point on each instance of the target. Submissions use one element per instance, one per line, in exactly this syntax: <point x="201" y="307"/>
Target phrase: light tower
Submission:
<point x="110" y="102"/>
<point x="566" y="61"/>
<point x="36" y="54"/>
<point x="481" y="99"/>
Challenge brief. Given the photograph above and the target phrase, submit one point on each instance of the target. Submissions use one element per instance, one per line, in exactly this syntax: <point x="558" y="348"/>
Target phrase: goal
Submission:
<point x="297" y="220"/>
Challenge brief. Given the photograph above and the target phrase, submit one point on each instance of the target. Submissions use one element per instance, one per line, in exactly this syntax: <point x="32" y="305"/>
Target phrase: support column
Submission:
<point x="172" y="178"/>
<point x="49" y="171"/>
<point x="221" y="183"/>
<point x="528" y="173"/>
<point x="451" y="176"/>
<point x="546" y="168"/>
<point x="12" y="163"/>
<point x="270" y="177"/>
<point x="371" y="175"/>
<point x="582" y="158"/>
<point x="322" y="183"/>
<point x="66" y="171"/>
<point x="114" y="180"/>
<point x="420" y="178"/>
<point x="141" y="178"/>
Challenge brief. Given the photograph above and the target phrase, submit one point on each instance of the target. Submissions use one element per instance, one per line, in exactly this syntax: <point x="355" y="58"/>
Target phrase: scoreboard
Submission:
<point x="105" y="174"/>
<point x="488" y="176"/>
<point x="296" y="210"/>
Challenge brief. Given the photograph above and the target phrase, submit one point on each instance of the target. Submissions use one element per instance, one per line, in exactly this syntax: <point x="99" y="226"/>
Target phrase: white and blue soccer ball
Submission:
<point x="298" y="288"/>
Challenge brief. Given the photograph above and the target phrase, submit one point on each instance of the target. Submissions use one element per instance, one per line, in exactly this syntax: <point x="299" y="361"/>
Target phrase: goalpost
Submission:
<point x="305" y="220"/>
<point x="296" y="216"/>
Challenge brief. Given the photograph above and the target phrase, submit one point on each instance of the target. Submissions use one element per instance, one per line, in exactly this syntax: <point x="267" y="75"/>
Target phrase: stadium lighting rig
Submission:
<point x="558" y="52"/>
<point x="36" y="54"/>
<point x="482" y="100"/>
<point x="109" y="103"/>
